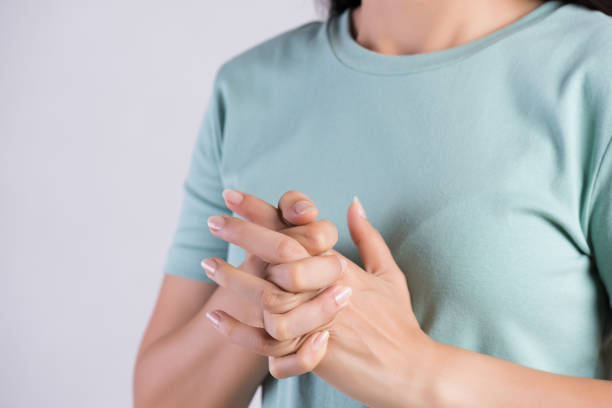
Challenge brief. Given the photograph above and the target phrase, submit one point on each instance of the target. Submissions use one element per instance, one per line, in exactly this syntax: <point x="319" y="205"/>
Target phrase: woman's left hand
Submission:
<point x="375" y="348"/>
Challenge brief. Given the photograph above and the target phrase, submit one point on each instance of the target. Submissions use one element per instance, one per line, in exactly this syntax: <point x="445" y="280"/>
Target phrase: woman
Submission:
<point x="477" y="135"/>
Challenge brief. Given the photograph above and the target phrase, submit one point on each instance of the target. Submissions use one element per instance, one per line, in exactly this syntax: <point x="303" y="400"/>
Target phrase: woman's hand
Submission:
<point x="182" y="359"/>
<point x="293" y="290"/>
<point x="373" y="340"/>
<point x="301" y="226"/>
<point x="377" y="353"/>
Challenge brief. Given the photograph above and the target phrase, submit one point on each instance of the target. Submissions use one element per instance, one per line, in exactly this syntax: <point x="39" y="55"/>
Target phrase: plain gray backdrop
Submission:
<point x="100" y="102"/>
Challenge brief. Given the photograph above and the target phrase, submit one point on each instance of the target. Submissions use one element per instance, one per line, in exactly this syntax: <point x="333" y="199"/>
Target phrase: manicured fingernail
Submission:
<point x="343" y="262"/>
<point x="210" y="265"/>
<point x="320" y="340"/>
<point x="342" y="295"/>
<point x="360" y="209"/>
<point x="214" y="317"/>
<point x="232" y="196"/>
<point x="303" y="207"/>
<point x="216" y="222"/>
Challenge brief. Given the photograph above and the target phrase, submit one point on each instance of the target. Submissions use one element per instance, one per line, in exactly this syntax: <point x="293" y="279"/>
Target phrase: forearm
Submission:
<point x="436" y="375"/>
<point x="463" y="378"/>
<point x="196" y="366"/>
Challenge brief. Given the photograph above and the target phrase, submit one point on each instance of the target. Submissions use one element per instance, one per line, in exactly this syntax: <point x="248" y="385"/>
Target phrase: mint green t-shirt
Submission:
<point x="486" y="167"/>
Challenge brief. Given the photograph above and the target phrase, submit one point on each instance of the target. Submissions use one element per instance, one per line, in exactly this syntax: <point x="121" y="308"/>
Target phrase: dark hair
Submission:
<point x="336" y="7"/>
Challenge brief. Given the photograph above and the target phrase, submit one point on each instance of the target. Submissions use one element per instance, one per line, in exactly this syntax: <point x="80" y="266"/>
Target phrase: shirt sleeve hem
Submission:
<point x="186" y="263"/>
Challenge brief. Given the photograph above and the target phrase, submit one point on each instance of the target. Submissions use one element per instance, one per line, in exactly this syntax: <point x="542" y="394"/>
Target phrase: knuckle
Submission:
<point x="318" y="239"/>
<point x="322" y="236"/>
<point x="277" y="327"/>
<point x="278" y="301"/>
<point x="304" y="362"/>
<point x="287" y="250"/>
<point x="274" y="370"/>
<point x="330" y="230"/>
<point x="271" y="300"/>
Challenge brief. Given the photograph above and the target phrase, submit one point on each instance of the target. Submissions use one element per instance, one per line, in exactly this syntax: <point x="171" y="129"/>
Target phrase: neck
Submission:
<point x="400" y="27"/>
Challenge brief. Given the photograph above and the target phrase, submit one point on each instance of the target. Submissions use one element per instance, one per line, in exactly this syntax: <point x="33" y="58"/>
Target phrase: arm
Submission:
<point x="463" y="378"/>
<point x="377" y="339"/>
<point x="182" y="361"/>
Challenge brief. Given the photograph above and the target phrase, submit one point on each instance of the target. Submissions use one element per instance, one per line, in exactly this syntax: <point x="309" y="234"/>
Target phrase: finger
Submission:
<point x="374" y="252"/>
<point x="305" y="360"/>
<point x="312" y="273"/>
<point x="259" y="291"/>
<point x="316" y="237"/>
<point x="265" y="214"/>
<point x="309" y="316"/>
<point x="253" y="209"/>
<point x="296" y="208"/>
<point x="251" y="338"/>
<point x="271" y="246"/>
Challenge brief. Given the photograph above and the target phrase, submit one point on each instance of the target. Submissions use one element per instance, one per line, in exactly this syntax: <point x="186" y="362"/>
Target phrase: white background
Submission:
<point x="100" y="102"/>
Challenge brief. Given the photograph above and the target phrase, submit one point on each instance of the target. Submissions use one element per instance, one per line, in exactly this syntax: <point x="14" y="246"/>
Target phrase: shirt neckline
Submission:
<point x="354" y="55"/>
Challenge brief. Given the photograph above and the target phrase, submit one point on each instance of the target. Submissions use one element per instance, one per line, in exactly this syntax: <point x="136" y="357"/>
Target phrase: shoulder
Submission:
<point x="580" y="48"/>
<point x="585" y="31"/>
<point x="579" y="16"/>
<point x="275" y="56"/>
<point x="587" y="44"/>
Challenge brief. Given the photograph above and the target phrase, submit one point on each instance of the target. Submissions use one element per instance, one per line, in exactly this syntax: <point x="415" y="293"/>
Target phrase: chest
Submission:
<point x="473" y="204"/>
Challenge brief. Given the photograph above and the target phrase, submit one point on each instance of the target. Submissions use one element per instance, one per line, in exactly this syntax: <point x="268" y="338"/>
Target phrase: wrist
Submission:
<point x="442" y="378"/>
<point x="423" y="369"/>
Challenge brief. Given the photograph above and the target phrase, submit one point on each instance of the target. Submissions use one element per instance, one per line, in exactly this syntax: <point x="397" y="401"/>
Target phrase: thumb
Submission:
<point x="375" y="253"/>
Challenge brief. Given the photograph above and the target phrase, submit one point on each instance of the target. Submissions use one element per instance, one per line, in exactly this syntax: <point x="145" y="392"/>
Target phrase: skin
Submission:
<point x="183" y="358"/>
<point x="376" y="346"/>
<point x="401" y="27"/>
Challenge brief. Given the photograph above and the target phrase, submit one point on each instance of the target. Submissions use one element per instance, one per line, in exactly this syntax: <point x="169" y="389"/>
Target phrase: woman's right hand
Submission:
<point x="293" y="234"/>
<point x="182" y="359"/>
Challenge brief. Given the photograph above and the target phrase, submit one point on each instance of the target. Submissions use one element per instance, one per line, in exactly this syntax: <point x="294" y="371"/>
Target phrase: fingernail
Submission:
<point x="343" y="263"/>
<point x="303" y="207"/>
<point x="320" y="340"/>
<point x="210" y="265"/>
<point x="214" y="317"/>
<point x="216" y="222"/>
<point x="360" y="209"/>
<point x="232" y="196"/>
<point x="342" y="295"/>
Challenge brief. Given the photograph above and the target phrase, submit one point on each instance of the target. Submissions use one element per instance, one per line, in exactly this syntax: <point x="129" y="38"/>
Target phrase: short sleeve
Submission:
<point x="600" y="223"/>
<point x="202" y="198"/>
